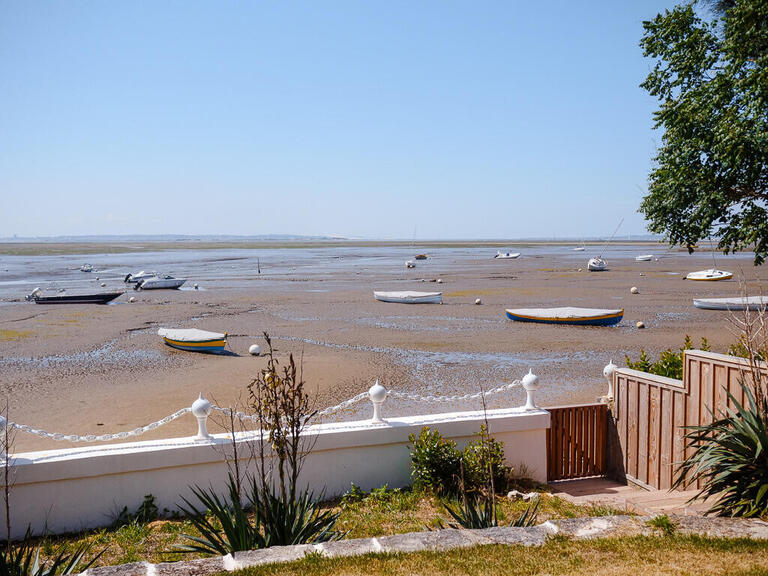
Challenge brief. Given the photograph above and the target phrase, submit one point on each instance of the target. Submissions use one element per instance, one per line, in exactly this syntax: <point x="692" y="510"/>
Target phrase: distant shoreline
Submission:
<point x="46" y="248"/>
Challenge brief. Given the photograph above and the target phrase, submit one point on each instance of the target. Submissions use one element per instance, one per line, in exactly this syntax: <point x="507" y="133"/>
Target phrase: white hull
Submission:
<point x="755" y="303"/>
<point x="597" y="265"/>
<point x="161" y="283"/>
<point x="579" y="249"/>
<point x="710" y="275"/>
<point x="644" y="258"/>
<point x="507" y="255"/>
<point x="408" y="297"/>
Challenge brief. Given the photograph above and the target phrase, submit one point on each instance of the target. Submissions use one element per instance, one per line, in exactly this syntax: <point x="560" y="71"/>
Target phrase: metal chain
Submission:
<point x="475" y="396"/>
<point x="243" y="416"/>
<point x="101" y="437"/>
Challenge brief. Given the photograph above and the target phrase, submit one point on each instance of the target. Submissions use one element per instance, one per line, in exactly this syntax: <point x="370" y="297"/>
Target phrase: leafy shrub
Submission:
<point x="146" y="512"/>
<point x="730" y="457"/>
<point x="483" y="458"/>
<point x="669" y="364"/>
<point x="434" y="462"/>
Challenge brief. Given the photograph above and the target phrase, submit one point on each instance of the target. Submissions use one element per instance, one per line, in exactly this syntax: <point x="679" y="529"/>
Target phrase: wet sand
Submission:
<point x="99" y="369"/>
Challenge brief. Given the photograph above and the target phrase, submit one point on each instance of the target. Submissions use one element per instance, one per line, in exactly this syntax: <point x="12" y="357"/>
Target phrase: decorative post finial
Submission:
<point x="377" y="394"/>
<point x="201" y="409"/>
<point x="531" y="384"/>
<point x="608" y="372"/>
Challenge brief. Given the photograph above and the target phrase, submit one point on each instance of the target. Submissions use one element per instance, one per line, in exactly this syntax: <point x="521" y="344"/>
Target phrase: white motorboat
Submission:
<point x="507" y="255"/>
<point x="711" y="275"/>
<point x="578" y="249"/>
<point x="410" y="264"/>
<point x="567" y="315"/>
<point x="410" y="297"/>
<point x="597" y="265"/>
<point x="644" y="258"/>
<point x="86" y="268"/>
<point x="160" y="282"/>
<point x="755" y="303"/>
<point x="138" y="277"/>
<point x="194" y="339"/>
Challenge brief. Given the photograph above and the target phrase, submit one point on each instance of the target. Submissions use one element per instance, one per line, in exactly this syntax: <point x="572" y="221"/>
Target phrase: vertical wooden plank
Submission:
<point x="580" y="442"/>
<point x="720" y="385"/>
<point x="666" y="440"/>
<point x="679" y="408"/>
<point x="654" y="439"/>
<point x="693" y="399"/>
<point x="572" y="443"/>
<point x="643" y="434"/>
<point x="558" y="464"/>
<point x="632" y="419"/>
<point x="706" y="396"/>
<point x="602" y="436"/>
<point x="590" y="441"/>
<point x="622" y="410"/>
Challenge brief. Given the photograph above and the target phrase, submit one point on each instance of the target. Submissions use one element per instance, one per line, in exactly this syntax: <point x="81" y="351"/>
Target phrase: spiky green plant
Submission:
<point x="24" y="560"/>
<point x="479" y="512"/>
<point x="730" y="458"/>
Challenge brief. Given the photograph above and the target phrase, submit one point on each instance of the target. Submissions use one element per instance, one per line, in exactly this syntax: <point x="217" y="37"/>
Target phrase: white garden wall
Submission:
<point x="69" y="490"/>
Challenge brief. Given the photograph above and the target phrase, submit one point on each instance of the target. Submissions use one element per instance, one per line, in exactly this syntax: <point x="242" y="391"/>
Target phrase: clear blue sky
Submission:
<point x="460" y="119"/>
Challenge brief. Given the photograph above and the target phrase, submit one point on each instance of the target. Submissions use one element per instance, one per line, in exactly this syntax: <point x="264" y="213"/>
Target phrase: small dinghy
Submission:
<point x="409" y="297"/>
<point x="409" y="264"/>
<point x="578" y="249"/>
<point x="100" y="298"/>
<point x="597" y="265"/>
<point x="755" y="303"/>
<point x="193" y="339"/>
<point x="567" y="315"/>
<point x="86" y="268"/>
<point x="421" y="256"/>
<point x="644" y="258"/>
<point x="160" y="282"/>
<point x="710" y="275"/>
<point x="507" y="255"/>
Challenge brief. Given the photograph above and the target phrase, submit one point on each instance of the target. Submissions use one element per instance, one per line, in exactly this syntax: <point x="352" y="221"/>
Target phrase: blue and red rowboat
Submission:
<point x="194" y="339"/>
<point x="567" y="315"/>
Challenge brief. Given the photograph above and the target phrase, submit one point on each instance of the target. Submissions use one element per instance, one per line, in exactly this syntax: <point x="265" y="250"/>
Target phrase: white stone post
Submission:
<point x="377" y="394"/>
<point x="201" y="408"/>
<point x="608" y="372"/>
<point x="531" y="384"/>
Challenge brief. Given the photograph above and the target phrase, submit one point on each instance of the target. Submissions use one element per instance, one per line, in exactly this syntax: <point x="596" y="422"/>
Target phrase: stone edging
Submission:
<point x="577" y="528"/>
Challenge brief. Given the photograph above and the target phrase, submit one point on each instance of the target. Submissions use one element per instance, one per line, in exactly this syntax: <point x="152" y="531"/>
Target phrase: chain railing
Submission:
<point x="202" y="408"/>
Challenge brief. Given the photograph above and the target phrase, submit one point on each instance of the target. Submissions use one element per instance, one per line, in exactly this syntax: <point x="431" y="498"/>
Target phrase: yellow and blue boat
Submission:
<point x="194" y="339"/>
<point x="567" y="315"/>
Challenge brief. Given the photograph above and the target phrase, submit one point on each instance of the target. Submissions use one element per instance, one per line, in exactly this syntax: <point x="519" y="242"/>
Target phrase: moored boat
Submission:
<point x="138" y="277"/>
<point x="567" y="315"/>
<point x="597" y="265"/>
<point x="644" y="258"/>
<point x="159" y="282"/>
<point x="99" y="298"/>
<point x="193" y="339"/>
<point x="421" y="256"/>
<point x="409" y="297"/>
<point x="710" y="275"/>
<point x="86" y="268"/>
<point x="755" y="303"/>
<point x="507" y="255"/>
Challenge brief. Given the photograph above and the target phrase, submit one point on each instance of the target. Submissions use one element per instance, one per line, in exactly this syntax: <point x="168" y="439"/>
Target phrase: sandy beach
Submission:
<point x="97" y="369"/>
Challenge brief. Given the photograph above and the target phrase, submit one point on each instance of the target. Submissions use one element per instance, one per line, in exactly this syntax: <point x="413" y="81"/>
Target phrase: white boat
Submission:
<point x="578" y="249"/>
<point x="755" y="303"/>
<point x="409" y="297"/>
<point x="567" y="315"/>
<point x="644" y="258"/>
<point x="86" y="268"/>
<point x="194" y="339"/>
<point x="507" y="255"/>
<point x="410" y="264"/>
<point x="138" y="277"/>
<point x="597" y="265"/>
<point x="159" y="282"/>
<point x="710" y="275"/>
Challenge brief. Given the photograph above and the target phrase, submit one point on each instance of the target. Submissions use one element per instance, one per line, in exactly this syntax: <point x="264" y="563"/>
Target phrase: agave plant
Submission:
<point x="24" y="560"/>
<point x="479" y="512"/>
<point x="730" y="458"/>
<point x="226" y="526"/>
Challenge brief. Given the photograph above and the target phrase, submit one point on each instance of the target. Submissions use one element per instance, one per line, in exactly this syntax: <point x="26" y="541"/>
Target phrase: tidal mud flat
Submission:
<point x="89" y="369"/>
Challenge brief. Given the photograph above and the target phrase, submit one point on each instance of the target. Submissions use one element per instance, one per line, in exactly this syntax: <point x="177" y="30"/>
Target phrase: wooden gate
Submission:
<point x="576" y="441"/>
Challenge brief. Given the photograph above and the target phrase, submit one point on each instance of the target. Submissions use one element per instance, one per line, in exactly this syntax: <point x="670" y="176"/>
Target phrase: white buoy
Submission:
<point x="131" y="299"/>
<point x="195" y="285"/>
<point x="254" y="350"/>
<point x="439" y="281"/>
<point x="478" y="302"/>
<point x="634" y="290"/>
<point x="640" y="325"/>
<point x="103" y="284"/>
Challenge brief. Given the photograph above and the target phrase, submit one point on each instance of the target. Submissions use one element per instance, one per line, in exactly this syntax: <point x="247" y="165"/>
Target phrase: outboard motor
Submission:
<point x="127" y="277"/>
<point x="33" y="295"/>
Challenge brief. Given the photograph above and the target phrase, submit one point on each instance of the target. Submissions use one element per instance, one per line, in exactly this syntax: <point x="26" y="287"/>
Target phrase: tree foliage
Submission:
<point x="711" y="79"/>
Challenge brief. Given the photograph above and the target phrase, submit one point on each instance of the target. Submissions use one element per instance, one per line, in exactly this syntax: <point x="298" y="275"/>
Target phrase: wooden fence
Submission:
<point x="651" y="412"/>
<point x="576" y="441"/>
